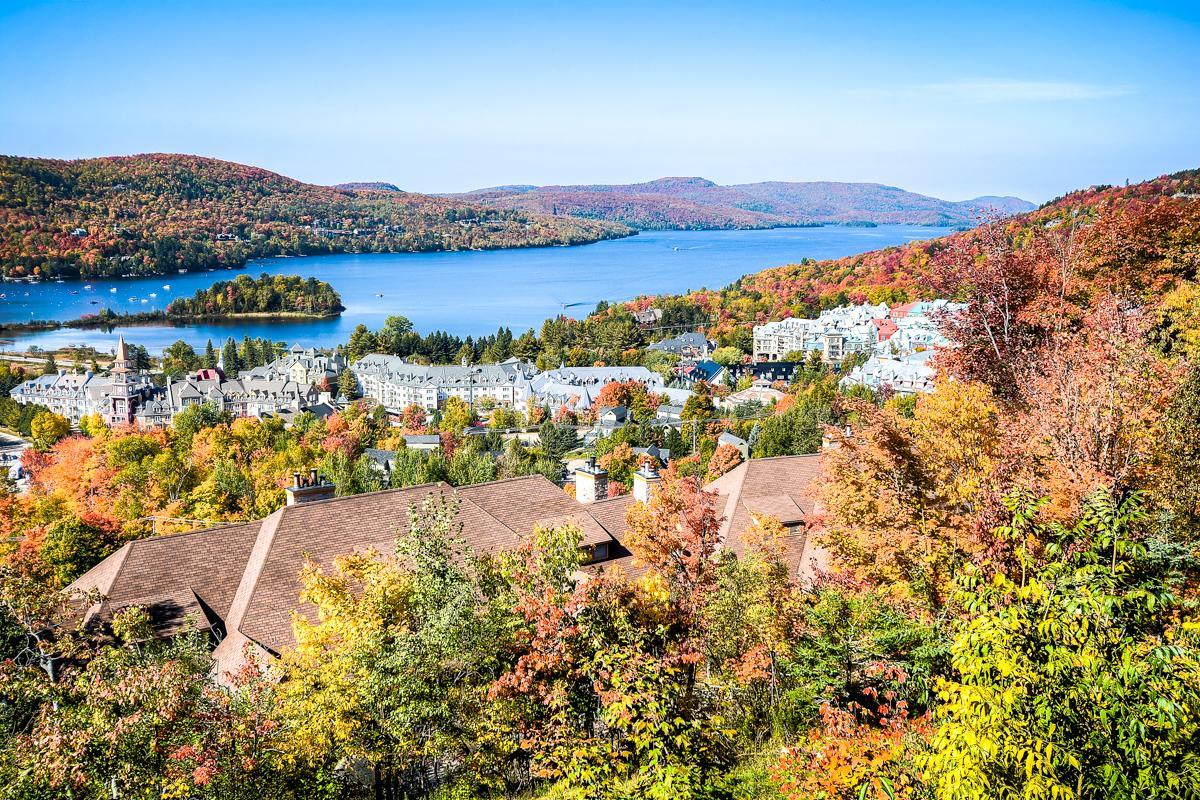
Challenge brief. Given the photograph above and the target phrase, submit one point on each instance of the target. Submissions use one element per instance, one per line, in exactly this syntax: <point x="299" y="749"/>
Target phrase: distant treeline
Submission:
<point x="610" y="334"/>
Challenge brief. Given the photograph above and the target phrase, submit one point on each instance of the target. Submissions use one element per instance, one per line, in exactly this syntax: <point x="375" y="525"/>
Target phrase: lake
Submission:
<point x="465" y="293"/>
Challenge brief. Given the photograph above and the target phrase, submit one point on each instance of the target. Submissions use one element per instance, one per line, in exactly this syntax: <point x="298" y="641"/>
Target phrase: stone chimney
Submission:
<point x="309" y="489"/>
<point x="591" y="483"/>
<point x="645" y="479"/>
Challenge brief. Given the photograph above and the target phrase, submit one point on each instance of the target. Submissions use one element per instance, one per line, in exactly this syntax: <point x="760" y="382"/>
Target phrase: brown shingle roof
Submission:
<point x="779" y="487"/>
<point x="174" y="576"/>
<point x="246" y="576"/>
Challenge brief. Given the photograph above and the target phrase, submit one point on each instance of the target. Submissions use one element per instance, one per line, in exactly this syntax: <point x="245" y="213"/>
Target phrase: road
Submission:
<point x="62" y="362"/>
<point x="11" y="449"/>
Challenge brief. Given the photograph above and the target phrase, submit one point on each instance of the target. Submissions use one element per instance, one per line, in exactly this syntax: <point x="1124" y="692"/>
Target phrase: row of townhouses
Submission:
<point x="238" y="581"/>
<point x="127" y="396"/>
<point x="849" y="330"/>
<point x="396" y="384"/>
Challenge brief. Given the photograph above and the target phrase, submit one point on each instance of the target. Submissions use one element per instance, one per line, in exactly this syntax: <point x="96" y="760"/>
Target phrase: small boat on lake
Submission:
<point x="167" y="286"/>
<point x="113" y="290"/>
<point x="87" y="286"/>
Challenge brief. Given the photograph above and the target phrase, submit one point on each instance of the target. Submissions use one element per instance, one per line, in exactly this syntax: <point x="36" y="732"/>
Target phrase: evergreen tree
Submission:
<point x="229" y="355"/>
<point x="347" y="384"/>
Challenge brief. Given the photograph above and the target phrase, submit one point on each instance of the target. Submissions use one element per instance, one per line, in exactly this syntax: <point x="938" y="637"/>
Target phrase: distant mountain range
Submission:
<point x="691" y="203"/>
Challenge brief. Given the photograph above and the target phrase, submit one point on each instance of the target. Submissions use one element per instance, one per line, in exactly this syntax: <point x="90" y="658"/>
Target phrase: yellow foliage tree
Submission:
<point x="903" y="495"/>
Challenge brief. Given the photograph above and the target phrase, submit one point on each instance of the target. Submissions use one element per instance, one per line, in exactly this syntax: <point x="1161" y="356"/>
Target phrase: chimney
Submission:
<point x="644" y="480"/>
<point x="828" y="442"/>
<point x="309" y="489"/>
<point x="591" y="483"/>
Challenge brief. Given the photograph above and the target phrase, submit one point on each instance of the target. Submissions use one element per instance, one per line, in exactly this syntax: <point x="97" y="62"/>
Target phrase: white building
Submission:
<point x="396" y="384"/>
<point x="579" y="387"/>
<point x="847" y="330"/>
<point x="907" y="374"/>
<point x="834" y="334"/>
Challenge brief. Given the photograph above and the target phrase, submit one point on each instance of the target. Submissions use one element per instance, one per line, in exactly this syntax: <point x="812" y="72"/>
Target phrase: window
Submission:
<point x="599" y="552"/>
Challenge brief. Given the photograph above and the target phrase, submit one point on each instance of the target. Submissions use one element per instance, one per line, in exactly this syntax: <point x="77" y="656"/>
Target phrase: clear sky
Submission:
<point x="950" y="99"/>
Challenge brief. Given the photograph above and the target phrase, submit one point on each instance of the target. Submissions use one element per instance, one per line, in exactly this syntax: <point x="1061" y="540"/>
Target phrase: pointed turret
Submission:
<point x="123" y="394"/>
<point x="121" y="361"/>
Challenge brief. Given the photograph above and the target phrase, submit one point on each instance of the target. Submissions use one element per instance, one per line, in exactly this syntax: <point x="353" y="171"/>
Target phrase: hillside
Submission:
<point x="695" y="203"/>
<point x="149" y="214"/>
<point x="1145" y="235"/>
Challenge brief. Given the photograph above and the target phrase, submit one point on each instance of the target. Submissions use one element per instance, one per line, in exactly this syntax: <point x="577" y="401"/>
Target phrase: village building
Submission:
<point x="908" y="374"/>
<point x="834" y="334"/>
<point x="693" y="346"/>
<point x="307" y="366"/>
<point x="397" y="384"/>
<point x="708" y="371"/>
<point x="885" y="335"/>
<point x="128" y="396"/>
<point x="760" y="391"/>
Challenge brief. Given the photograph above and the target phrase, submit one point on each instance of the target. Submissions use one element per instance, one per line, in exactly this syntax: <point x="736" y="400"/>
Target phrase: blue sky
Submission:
<point x="953" y="100"/>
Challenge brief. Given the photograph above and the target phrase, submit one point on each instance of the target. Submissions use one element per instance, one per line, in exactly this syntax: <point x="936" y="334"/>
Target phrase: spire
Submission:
<point x="121" y="364"/>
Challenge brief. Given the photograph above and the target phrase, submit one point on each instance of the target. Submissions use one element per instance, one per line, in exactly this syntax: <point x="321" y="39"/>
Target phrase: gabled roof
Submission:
<point x="779" y="487"/>
<point x="242" y="580"/>
<point x="246" y="576"/>
<point x="173" y="575"/>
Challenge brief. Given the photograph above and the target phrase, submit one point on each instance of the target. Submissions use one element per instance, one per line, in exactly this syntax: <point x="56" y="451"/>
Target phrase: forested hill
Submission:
<point x="1146" y="236"/>
<point x="148" y="214"/>
<point x="695" y="203"/>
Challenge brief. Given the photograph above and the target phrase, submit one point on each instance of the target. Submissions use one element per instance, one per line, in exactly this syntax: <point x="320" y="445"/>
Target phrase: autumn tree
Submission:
<point x="603" y="700"/>
<point x="676" y="535"/>
<point x="905" y="498"/>
<point x="47" y="428"/>
<point x="724" y="458"/>
<point x="1076" y="670"/>
<point x="1094" y="403"/>
<point x="395" y="668"/>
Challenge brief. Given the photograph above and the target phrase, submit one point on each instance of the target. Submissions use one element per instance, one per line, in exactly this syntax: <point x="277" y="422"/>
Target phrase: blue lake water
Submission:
<point x="465" y="293"/>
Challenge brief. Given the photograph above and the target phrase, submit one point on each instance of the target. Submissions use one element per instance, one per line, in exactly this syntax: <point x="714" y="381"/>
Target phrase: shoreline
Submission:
<point x="25" y="279"/>
<point x="634" y="232"/>
<point x="158" y="318"/>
